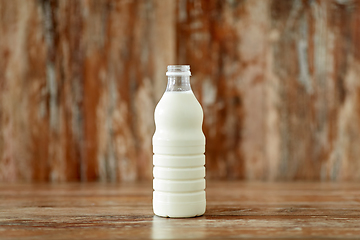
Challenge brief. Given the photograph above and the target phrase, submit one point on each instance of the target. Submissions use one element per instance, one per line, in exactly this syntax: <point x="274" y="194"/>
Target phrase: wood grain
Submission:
<point x="234" y="210"/>
<point x="278" y="81"/>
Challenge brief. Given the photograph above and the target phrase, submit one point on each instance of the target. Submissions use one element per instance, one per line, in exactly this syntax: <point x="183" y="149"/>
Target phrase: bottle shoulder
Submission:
<point x="179" y="110"/>
<point x="178" y="121"/>
<point x="179" y="101"/>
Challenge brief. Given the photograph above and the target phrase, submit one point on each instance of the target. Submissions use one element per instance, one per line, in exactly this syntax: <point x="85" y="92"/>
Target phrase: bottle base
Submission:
<point x="179" y="210"/>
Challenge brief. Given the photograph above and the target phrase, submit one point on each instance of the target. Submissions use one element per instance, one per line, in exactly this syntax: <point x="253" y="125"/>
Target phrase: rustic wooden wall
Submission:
<point x="279" y="82"/>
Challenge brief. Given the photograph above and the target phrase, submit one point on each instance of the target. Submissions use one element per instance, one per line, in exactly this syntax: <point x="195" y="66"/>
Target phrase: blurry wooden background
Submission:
<point x="279" y="82"/>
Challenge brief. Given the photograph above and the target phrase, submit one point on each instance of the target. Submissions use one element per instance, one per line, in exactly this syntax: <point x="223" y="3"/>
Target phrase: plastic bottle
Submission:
<point x="179" y="147"/>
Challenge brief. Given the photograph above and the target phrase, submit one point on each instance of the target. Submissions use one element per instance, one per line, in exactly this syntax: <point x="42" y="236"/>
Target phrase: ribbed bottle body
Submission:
<point x="179" y="146"/>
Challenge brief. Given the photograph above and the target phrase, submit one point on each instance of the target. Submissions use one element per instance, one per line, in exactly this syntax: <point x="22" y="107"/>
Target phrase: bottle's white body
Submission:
<point x="179" y="146"/>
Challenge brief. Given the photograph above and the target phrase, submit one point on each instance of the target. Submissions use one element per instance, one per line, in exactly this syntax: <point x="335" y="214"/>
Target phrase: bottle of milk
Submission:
<point x="179" y="147"/>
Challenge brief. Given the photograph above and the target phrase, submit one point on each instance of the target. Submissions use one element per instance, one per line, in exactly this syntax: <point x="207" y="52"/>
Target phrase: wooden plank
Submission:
<point x="278" y="81"/>
<point x="79" y="83"/>
<point x="234" y="210"/>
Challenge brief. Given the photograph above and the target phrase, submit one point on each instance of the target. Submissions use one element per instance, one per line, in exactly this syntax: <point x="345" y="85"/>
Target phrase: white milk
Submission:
<point x="179" y="146"/>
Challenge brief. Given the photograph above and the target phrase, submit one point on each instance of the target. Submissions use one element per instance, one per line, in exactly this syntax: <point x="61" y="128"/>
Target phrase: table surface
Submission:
<point x="234" y="210"/>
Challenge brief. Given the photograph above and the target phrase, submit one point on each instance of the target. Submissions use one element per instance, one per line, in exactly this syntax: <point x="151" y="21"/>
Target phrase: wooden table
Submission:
<point x="234" y="210"/>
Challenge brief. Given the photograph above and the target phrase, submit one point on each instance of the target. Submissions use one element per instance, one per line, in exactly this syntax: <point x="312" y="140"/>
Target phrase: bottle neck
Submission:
<point x="178" y="78"/>
<point x="178" y="84"/>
